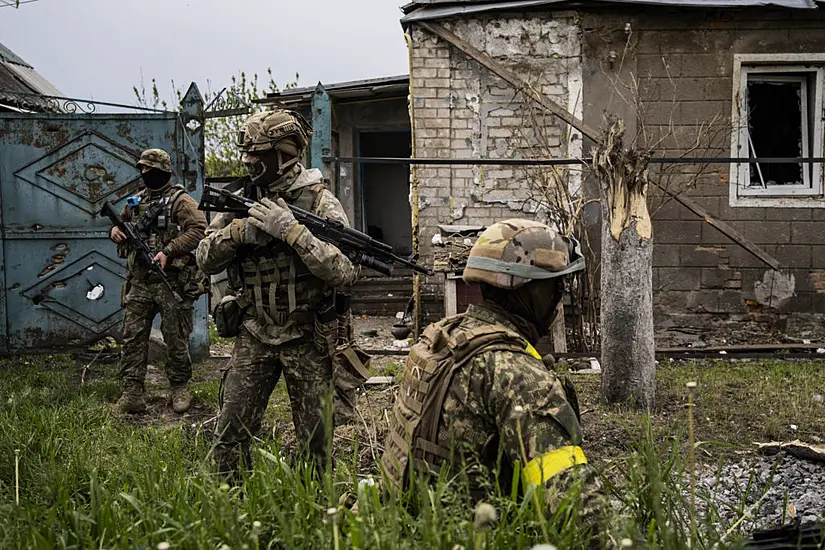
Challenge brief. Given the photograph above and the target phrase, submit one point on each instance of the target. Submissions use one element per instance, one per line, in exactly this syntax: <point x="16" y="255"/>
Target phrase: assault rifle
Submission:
<point x="358" y="247"/>
<point x="137" y="244"/>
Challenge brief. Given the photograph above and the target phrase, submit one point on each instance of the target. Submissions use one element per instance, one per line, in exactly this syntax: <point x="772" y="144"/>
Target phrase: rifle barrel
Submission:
<point x="334" y="232"/>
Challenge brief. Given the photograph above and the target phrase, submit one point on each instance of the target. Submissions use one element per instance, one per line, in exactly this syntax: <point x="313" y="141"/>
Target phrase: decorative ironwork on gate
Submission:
<point x="62" y="278"/>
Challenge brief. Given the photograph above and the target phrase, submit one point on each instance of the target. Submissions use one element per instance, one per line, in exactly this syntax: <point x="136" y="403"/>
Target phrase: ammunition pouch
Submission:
<point x="234" y="277"/>
<point x="149" y="219"/>
<point x="193" y="282"/>
<point x="228" y="315"/>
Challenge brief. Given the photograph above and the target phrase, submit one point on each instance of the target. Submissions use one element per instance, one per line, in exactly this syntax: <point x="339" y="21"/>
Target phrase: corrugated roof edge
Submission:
<point x="337" y="87"/>
<point x="458" y="7"/>
<point x="8" y="56"/>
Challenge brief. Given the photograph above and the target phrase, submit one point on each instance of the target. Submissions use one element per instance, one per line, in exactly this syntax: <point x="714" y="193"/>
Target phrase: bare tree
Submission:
<point x="626" y="292"/>
<point x="552" y="190"/>
<point x="628" y="346"/>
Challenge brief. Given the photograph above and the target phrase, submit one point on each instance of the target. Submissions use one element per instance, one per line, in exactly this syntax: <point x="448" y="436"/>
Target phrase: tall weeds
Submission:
<point x="89" y="479"/>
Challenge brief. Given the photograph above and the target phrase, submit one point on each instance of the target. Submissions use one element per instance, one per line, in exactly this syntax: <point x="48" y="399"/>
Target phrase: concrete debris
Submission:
<point x="452" y="246"/>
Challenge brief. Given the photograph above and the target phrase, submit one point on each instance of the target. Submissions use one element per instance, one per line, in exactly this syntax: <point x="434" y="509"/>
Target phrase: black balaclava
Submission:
<point x="266" y="169"/>
<point x="535" y="303"/>
<point x="155" y="178"/>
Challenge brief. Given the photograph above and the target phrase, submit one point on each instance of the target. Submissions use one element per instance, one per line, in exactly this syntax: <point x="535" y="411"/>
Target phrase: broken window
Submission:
<point x="775" y="119"/>
<point x="777" y="128"/>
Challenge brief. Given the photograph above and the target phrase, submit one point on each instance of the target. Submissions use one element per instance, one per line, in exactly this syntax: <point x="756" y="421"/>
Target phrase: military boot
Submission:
<point x="131" y="401"/>
<point x="181" y="399"/>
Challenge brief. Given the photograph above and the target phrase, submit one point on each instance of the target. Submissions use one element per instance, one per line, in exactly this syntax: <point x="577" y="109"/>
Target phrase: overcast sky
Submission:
<point x="98" y="48"/>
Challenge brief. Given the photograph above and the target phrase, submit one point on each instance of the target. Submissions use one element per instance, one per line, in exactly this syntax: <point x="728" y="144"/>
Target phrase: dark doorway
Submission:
<point x="385" y="188"/>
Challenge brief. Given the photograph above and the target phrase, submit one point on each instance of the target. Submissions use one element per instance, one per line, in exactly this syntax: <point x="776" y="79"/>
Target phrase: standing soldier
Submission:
<point x="170" y="222"/>
<point x="284" y="277"/>
<point x="474" y="388"/>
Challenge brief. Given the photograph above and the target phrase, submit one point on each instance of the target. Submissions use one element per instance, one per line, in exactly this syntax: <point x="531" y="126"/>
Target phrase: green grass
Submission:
<point x="735" y="403"/>
<point x="89" y="478"/>
<point x="214" y="337"/>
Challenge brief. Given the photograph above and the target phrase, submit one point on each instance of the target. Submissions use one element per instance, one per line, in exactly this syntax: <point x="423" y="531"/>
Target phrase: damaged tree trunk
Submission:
<point x="628" y="348"/>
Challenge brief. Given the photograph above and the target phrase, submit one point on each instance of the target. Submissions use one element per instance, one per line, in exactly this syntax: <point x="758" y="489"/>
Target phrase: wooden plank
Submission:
<point x="512" y="78"/>
<point x="725" y="229"/>
<point x="734" y="351"/>
<point x="558" y="331"/>
<point x="737" y="348"/>
<point x="450" y="298"/>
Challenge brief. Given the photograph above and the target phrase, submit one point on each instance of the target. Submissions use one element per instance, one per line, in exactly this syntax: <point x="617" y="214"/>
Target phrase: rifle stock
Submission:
<point x="134" y="242"/>
<point x="358" y="247"/>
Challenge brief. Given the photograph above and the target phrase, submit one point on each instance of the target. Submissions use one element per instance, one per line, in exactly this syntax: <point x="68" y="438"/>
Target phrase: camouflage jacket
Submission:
<point x="300" y="273"/>
<point x="484" y="399"/>
<point x="176" y="231"/>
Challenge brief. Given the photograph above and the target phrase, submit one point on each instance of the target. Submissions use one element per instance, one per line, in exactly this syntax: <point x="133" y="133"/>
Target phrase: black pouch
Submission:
<point x="572" y="396"/>
<point x="228" y="315"/>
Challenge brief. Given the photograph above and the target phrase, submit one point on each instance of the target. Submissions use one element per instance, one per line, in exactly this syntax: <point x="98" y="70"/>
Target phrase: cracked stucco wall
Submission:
<point x="464" y="111"/>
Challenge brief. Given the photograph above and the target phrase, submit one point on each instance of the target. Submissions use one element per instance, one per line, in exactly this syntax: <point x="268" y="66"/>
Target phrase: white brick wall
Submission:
<point x="463" y="110"/>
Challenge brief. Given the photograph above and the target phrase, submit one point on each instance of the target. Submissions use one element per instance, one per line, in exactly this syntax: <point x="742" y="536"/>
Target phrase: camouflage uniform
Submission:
<point x="283" y="281"/>
<point x="474" y="380"/>
<point x="477" y="417"/>
<point x="176" y="232"/>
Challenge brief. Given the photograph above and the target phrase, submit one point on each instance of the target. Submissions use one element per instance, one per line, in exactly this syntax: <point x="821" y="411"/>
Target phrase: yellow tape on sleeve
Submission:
<point x="532" y="351"/>
<point x="548" y="465"/>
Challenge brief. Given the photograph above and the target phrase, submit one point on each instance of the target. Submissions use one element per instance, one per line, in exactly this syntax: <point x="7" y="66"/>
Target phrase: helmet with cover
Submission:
<point x="272" y="142"/>
<point x="155" y="158"/>
<point x="510" y="253"/>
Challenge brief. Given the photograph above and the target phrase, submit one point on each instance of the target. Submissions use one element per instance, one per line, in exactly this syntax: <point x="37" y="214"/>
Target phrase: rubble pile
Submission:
<point x="451" y="246"/>
<point x="771" y="488"/>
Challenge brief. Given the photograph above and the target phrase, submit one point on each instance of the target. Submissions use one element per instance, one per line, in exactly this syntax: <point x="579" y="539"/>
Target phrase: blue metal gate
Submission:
<point x="61" y="277"/>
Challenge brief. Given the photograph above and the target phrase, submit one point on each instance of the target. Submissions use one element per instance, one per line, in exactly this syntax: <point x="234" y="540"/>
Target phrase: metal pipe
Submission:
<point x="567" y="161"/>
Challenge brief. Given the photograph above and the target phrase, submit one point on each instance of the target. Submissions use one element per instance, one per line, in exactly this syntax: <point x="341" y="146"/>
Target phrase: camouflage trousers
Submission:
<point x="248" y="382"/>
<point x="142" y="303"/>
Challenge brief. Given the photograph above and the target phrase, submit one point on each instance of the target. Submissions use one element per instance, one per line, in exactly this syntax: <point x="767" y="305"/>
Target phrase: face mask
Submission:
<point x="263" y="169"/>
<point x="535" y="302"/>
<point x="155" y="179"/>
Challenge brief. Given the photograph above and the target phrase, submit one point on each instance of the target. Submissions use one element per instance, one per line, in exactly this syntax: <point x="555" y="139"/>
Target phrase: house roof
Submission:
<point x="418" y="10"/>
<point x="18" y="77"/>
<point x="355" y="90"/>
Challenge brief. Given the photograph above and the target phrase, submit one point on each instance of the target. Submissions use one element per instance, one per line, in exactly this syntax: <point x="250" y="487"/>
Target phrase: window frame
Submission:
<point x="810" y="192"/>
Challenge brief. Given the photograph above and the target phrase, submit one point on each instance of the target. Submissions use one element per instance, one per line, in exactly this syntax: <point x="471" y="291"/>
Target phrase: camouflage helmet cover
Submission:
<point x="266" y="130"/>
<point x="510" y="253"/>
<point x="155" y="158"/>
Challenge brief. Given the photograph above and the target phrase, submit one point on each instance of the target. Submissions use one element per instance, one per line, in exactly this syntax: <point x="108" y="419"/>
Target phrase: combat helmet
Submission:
<point x="280" y="129"/>
<point x="155" y="158"/>
<point x="510" y="253"/>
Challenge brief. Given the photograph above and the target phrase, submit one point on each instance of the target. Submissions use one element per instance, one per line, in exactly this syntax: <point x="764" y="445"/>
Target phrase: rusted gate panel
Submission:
<point x="61" y="276"/>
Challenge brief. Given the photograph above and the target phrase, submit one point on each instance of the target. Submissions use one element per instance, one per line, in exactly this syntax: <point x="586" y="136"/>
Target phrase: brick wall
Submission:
<point x="462" y="110"/>
<point x="684" y="62"/>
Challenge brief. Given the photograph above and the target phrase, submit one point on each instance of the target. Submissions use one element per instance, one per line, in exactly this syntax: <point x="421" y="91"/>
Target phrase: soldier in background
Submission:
<point x="283" y="278"/>
<point x="169" y="219"/>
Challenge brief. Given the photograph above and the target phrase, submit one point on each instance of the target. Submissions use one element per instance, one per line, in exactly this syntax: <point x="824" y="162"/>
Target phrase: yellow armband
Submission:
<point x="549" y="465"/>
